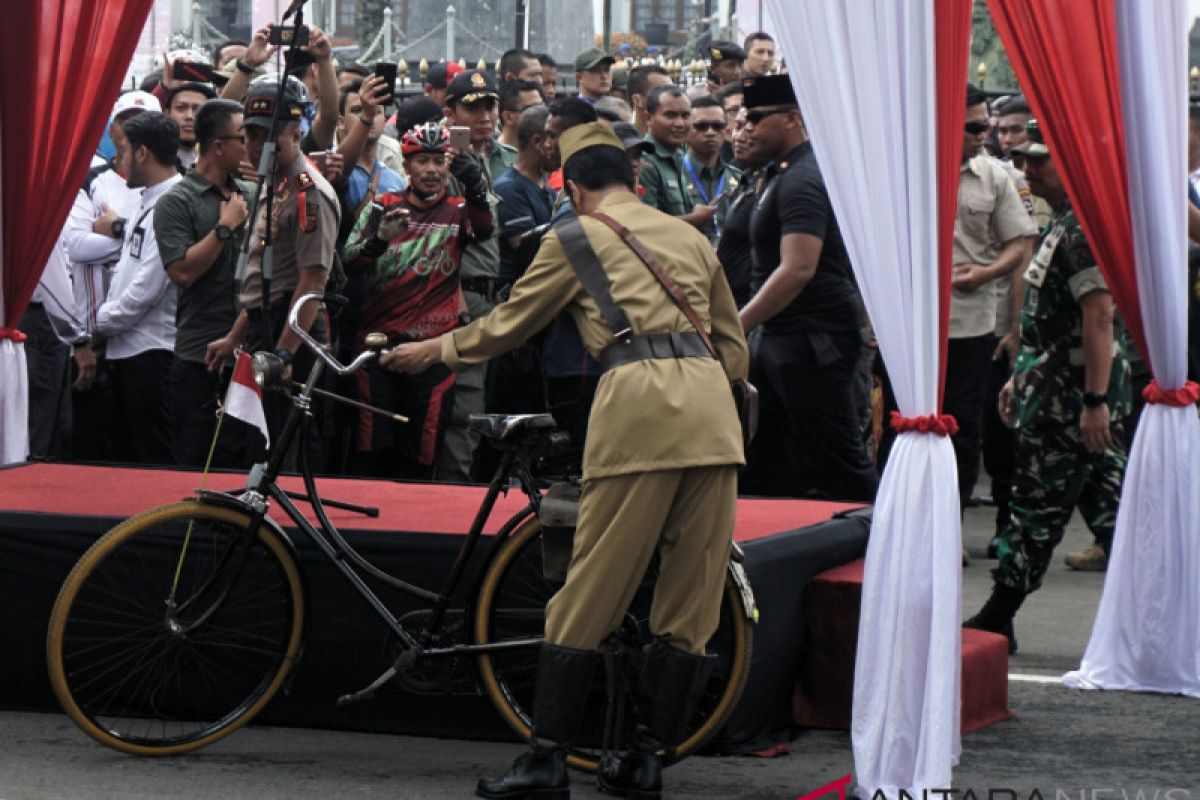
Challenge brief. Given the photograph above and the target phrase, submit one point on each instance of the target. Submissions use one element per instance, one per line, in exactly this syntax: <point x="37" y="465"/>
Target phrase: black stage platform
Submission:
<point x="51" y="513"/>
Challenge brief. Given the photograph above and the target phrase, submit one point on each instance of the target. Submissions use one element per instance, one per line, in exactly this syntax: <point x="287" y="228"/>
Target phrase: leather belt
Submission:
<point x="486" y="287"/>
<point x="642" y="346"/>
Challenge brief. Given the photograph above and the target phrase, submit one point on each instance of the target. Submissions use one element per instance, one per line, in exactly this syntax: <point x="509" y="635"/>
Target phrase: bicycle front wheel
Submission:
<point x="175" y="628"/>
<point x="511" y="605"/>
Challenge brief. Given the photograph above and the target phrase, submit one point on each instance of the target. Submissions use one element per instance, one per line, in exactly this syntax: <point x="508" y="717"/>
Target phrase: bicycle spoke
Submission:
<point x="144" y="673"/>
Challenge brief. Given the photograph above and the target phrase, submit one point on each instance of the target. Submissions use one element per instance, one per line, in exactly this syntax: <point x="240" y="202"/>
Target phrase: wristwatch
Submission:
<point x="118" y="228"/>
<point x="284" y="355"/>
<point x="1093" y="400"/>
<point x="243" y="67"/>
<point x="224" y="233"/>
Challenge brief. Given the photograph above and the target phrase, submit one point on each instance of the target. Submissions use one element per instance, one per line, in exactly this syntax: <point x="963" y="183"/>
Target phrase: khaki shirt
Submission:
<point x="990" y="213"/>
<point x="648" y="415"/>
<point x="304" y="231"/>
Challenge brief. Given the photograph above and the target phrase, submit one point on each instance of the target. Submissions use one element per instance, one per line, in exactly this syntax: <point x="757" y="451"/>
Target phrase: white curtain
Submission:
<point x="14" y="382"/>
<point x="864" y="73"/>
<point x="1146" y="635"/>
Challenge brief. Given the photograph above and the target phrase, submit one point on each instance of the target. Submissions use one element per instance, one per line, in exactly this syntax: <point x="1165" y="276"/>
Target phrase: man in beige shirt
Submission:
<point x="993" y="237"/>
<point x="659" y="469"/>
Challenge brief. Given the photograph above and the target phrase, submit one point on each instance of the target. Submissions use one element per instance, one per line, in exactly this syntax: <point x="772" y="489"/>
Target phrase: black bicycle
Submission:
<point x="181" y="623"/>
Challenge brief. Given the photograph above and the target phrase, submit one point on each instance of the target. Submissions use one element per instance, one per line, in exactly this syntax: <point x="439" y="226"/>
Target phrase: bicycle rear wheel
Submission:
<point x="175" y="628"/>
<point x="511" y="605"/>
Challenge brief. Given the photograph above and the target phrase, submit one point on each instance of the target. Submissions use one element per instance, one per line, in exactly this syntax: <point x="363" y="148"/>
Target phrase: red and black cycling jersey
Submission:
<point x="413" y="280"/>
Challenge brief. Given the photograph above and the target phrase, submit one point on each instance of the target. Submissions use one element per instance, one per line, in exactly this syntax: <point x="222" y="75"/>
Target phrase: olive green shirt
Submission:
<point x="665" y="180"/>
<point x="482" y="259"/>
<point x="183" y="216"/>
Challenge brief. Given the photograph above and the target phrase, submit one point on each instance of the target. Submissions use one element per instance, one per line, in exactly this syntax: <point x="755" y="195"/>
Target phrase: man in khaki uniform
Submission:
<point x="660" y="464"/>
<point x="993" y="237"/>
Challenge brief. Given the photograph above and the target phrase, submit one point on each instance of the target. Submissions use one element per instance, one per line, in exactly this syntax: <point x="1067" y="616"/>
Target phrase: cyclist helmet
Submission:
<point x="427" y="138"/>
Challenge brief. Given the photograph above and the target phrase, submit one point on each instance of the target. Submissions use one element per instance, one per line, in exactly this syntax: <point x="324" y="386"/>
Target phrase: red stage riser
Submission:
<point x="120" y="492"/>
<point x="826" y="682"/>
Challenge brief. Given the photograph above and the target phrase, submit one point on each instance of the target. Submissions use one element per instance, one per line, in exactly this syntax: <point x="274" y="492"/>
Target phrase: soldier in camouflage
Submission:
<point x="1068" y="399"/>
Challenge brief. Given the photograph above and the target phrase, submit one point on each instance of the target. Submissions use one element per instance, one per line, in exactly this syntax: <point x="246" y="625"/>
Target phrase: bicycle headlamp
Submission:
<point x="268" y="369"/>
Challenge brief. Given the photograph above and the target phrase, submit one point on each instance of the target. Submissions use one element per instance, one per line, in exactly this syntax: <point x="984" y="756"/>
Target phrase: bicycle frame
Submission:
<point x="261" y="487"/>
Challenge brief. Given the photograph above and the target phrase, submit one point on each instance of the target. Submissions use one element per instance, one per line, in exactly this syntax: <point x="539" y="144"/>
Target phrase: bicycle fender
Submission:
<point x="737" y="573"/>
<point x="229" y="501"/>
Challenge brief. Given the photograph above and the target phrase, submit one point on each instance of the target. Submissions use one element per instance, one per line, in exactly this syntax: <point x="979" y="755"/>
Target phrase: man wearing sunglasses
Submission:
<point x="710" y="180"/>
<point x="806" y="363"/>
<point x="993" y="237"/>
<point x="198" y="226"/>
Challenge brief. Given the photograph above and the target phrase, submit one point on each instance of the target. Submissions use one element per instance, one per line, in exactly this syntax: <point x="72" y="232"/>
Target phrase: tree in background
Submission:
<point x="987" y="48"/>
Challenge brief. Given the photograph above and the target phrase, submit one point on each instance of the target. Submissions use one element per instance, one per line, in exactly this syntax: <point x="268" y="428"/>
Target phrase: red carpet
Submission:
<point x="826" y="680"/>
<point x="414" y="507"/>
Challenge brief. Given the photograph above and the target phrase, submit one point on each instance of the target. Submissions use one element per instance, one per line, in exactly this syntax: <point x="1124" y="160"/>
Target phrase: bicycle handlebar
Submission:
<point x="321" y="351"/>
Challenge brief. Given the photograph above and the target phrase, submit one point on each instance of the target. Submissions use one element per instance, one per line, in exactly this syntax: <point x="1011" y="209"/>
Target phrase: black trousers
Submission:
<point x="968" y="378"/>
<point x="809" y="441"/>
<point x="142" y="409"/>
<point x="277" y="405"/>
<point x="196" y="395"/>
<point x="47" y="364"/>
<point x="92" y="410"/>
<point x="999" y="442"/>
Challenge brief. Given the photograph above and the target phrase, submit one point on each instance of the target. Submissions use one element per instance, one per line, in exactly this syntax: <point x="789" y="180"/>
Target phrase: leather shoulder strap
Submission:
<point x="673" y="291"/>
<point x="591" y="274"/>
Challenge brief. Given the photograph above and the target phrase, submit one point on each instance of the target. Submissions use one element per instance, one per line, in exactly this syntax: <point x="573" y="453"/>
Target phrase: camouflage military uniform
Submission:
<point x="1054" y="473"/>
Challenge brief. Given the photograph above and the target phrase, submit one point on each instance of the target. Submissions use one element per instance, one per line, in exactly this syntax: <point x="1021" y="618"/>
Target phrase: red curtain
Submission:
<point x="1065" y="55"/>
<point x="63" y="62"/>
<point x="952" y="32"/>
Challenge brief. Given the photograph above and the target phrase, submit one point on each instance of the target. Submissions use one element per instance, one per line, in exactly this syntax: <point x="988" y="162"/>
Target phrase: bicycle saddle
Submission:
<point x="502" y="426"/>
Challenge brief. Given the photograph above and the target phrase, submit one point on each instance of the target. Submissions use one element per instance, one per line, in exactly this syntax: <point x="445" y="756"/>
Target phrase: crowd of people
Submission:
<point x="444" y="220"/>
<point x="372" y="198"/>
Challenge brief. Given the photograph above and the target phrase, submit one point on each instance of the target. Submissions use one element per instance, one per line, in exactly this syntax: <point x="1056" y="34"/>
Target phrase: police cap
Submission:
<point x="261" y="97"/>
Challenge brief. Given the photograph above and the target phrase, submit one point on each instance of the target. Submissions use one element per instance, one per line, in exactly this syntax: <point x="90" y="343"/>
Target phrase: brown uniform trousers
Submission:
<point x="685" y="515"/>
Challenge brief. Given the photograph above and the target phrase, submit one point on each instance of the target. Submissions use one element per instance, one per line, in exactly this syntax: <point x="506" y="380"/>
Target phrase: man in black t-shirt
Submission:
<point x="806" y="359"/>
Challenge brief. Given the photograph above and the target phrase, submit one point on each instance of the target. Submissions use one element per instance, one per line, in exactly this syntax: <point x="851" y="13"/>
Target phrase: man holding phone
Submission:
<point x="410" y="248"/>
<point x="358" y="106"/>
<point x="472" y="105"/>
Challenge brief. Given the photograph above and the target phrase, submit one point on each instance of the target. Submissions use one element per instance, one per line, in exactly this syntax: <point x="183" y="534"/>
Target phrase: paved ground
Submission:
<point x="1067" y="745"/>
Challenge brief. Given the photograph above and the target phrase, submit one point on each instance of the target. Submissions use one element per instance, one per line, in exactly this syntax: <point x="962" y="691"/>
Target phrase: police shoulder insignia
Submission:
<point x="307" y="211"/>
<point x="304" y="180"/>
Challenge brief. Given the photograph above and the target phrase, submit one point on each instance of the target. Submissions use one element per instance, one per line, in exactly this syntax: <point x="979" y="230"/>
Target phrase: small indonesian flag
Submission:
<point x="244" y="398"/>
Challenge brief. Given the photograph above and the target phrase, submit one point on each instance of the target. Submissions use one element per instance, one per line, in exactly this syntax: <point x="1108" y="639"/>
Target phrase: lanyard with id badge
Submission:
<point x="138" y="235"/>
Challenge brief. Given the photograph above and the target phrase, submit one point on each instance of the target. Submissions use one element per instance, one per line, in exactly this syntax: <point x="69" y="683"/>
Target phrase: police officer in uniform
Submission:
<point x="1068" y="399"/>
<point x="660" y="465"/>
<point x="304" y="228"/>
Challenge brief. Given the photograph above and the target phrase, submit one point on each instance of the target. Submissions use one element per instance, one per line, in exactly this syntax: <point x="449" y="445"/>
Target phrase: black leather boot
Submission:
<point x="998" y="612"/>
<point x="669" y="687"/>
<point x="561" y="691"/>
